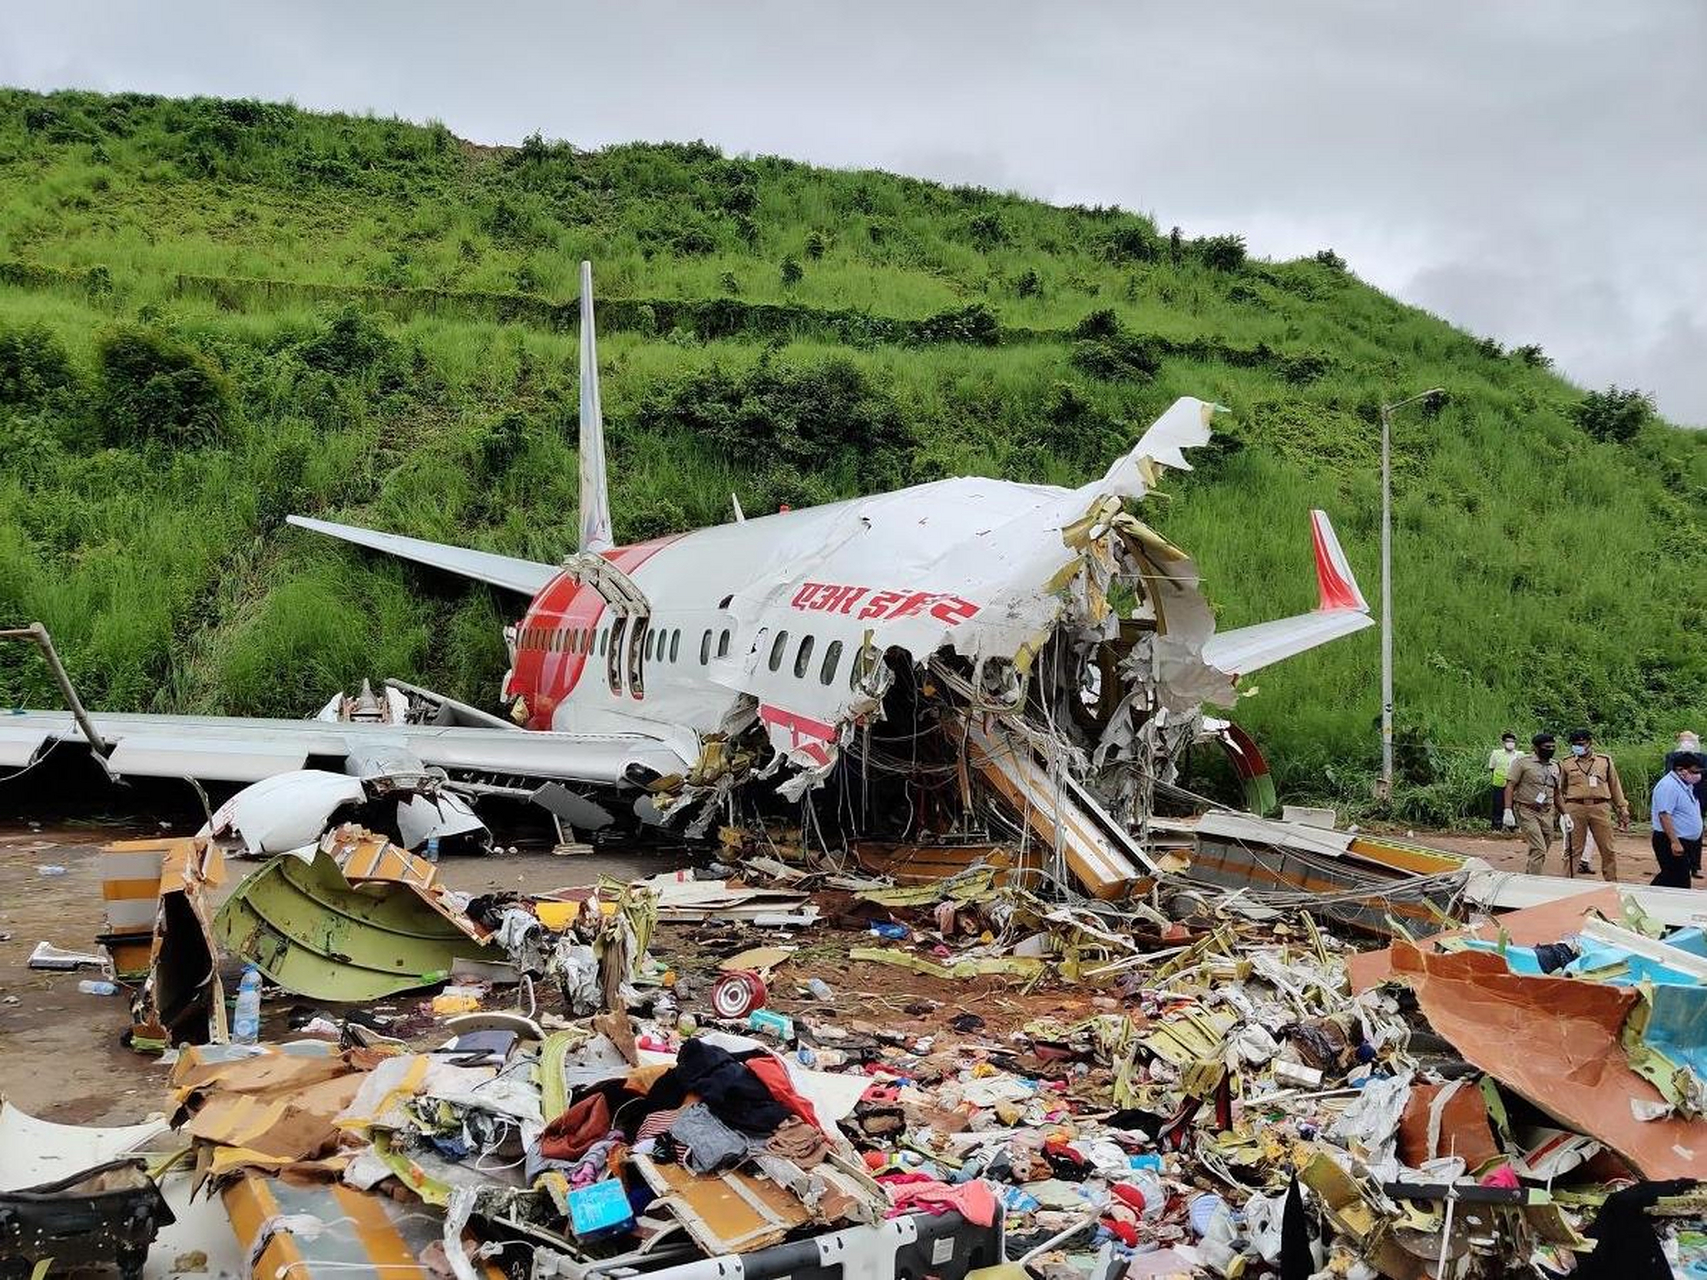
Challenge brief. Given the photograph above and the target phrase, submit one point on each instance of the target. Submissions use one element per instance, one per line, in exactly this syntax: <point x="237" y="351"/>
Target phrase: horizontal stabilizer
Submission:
<point x="1341" y="610"/>
<point x="1246" y="649"/>
<point x="525" y="576"/>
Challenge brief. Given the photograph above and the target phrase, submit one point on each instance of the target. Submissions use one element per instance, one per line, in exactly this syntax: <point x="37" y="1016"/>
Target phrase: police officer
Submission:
<point x="1590" y="794"/>
<point x="1531" y="795"/>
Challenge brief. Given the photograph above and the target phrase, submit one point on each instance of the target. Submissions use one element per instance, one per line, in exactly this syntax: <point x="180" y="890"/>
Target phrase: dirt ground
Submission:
<point x="1507" y="852"/>
<point x="60" y="1055"/>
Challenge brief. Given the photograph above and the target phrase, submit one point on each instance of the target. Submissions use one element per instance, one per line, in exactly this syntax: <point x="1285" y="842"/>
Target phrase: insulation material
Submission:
<point x="1555" y="1042"/>
<point x="182" y="1000"/>
<point x="728" y="1212"/>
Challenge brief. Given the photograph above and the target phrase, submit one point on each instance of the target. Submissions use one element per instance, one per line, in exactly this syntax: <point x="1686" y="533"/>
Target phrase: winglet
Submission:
<point x="595" y="496"/>
<point x="1335" y="586"/>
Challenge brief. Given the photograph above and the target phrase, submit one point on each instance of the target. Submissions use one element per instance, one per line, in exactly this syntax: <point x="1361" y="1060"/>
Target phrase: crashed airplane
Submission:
<point x="960" y="656"/>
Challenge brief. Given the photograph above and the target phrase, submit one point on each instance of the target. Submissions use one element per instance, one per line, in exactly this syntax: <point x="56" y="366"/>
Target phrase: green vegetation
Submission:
<point x="216" y="313"/>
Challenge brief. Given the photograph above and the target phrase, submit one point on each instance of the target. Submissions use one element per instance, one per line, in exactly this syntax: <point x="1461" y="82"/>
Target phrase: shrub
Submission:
<point x="1101" y="323"/>
<point x="154" y="388"/>
<point x="350" y="341"/>
<point x="33" y="366"/>
<point x="1532" y="355"/>
<point x="1222" y="253"/>
<point x="1613" y="415"/>
<point x="1122" y="357"/>
<point x="987" y="230"/>
<point x="729" y="284"/>
<point x="815" y="245"/>
<point x="1132" y="243"/>
<point x="1029" y="284"/>
<point x="1331" y="260"/>
<point x="976" y="324"/>
<point x="791" y="272"/>
<point x="818" y="417"/>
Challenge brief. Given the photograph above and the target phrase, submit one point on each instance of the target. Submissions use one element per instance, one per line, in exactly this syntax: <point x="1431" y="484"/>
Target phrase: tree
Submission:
<point x="1613" y="415"/>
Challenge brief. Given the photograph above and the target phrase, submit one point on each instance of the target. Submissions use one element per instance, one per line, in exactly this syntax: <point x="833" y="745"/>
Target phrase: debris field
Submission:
<point x="909" y="1065"/>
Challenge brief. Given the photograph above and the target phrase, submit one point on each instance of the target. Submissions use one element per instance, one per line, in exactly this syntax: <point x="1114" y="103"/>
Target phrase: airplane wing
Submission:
<point x="235" y="749"/>
<point x="525" y="576"/>
<point x="1341" y="610"/>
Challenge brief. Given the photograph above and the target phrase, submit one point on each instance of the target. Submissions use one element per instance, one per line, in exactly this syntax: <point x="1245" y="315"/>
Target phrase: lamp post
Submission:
<point x="1384" y="788"/>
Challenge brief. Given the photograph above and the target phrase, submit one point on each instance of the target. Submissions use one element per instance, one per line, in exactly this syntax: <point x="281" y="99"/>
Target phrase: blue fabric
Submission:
<point x="1674" y="796"/>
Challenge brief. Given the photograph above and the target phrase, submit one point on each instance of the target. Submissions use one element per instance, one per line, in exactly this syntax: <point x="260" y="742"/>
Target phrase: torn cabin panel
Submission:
<point x="310" y="931"/>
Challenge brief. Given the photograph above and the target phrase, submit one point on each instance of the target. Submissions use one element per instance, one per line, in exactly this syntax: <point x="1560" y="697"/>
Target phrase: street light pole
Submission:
<point x="1384" y="789"/>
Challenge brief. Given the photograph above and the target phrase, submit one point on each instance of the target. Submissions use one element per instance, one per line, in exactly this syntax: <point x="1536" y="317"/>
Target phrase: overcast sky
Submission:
<point x="1531" y="169"/>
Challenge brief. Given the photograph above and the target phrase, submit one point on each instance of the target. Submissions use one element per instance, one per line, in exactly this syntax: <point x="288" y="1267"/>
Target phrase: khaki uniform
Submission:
<point x="1590" y="793"/>
<point x="1534" y="792"/>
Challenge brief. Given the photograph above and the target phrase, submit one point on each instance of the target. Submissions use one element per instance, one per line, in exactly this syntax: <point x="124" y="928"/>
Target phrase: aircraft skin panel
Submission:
<point x="523" y="576"/>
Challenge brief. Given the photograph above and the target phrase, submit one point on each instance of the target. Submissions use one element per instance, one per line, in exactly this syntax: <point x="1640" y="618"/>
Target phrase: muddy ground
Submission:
<point x="60" y="1055"/>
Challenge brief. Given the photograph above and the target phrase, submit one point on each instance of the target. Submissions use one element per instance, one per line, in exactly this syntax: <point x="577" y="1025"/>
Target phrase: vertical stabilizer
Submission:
<point x="595" y="496"/>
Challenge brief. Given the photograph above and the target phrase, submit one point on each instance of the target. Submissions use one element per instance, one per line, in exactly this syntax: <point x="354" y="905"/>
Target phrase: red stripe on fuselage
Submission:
<point x="546" y="676"/>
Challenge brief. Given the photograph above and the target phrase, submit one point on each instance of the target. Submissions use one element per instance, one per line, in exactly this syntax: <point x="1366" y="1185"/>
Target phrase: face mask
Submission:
<point x="1543" y="753"/>
<point x="1509" y="745"/>
<point x="1578" y="749"/>
<point x="1688" y="744"/>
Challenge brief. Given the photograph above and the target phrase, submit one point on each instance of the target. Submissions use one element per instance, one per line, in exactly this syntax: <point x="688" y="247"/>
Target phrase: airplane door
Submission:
<point x="637" y="637"/>
<point x="613" y="655"/>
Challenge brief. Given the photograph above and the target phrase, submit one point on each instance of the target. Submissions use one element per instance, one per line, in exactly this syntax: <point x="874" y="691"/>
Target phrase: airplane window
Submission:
<point x="803" y="658"/>
<point x="603" y="634"/>
<point x="723" y="645"/>
<point x="777" y="647"/>
<point x="832" y="656"/>
<point x="647" y="647"/>
<point x="705" y="648"/>
<point x="675" y="643"/>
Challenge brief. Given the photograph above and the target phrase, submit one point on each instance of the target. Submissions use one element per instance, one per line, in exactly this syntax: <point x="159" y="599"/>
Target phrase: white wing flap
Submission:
<point x="525" y="576"/>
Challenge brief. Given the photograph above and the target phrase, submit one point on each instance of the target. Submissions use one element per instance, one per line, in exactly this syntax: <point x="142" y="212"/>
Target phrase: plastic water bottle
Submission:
<point x="821" y="989"/>
<point x="246" y="1024"/>
<point x="97" y="987"/>
<point x="432" y="848"/>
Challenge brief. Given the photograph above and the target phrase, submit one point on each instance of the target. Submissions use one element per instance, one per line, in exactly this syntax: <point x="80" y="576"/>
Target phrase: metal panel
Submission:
<point x="190" y="756"/>
<point x="19" y="744"/>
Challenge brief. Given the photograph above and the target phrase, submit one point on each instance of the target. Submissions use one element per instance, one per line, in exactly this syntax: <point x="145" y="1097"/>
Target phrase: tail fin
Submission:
<point x="1335" y="586"/>
<point x="595" y="496"/>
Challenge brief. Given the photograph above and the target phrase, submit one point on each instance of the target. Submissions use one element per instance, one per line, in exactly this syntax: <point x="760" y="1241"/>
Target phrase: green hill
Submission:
<point x="213" y="313"/>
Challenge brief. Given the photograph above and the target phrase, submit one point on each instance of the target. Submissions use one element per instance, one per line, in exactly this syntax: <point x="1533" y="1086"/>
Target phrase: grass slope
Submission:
<point x="214" y="313"/>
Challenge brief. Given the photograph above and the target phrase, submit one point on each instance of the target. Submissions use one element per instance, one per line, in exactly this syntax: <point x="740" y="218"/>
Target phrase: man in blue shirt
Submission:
<point x="1677" y="820"/>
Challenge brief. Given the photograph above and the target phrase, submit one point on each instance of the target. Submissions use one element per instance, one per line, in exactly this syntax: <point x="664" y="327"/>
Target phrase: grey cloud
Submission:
<point x="1534" y="171"/>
